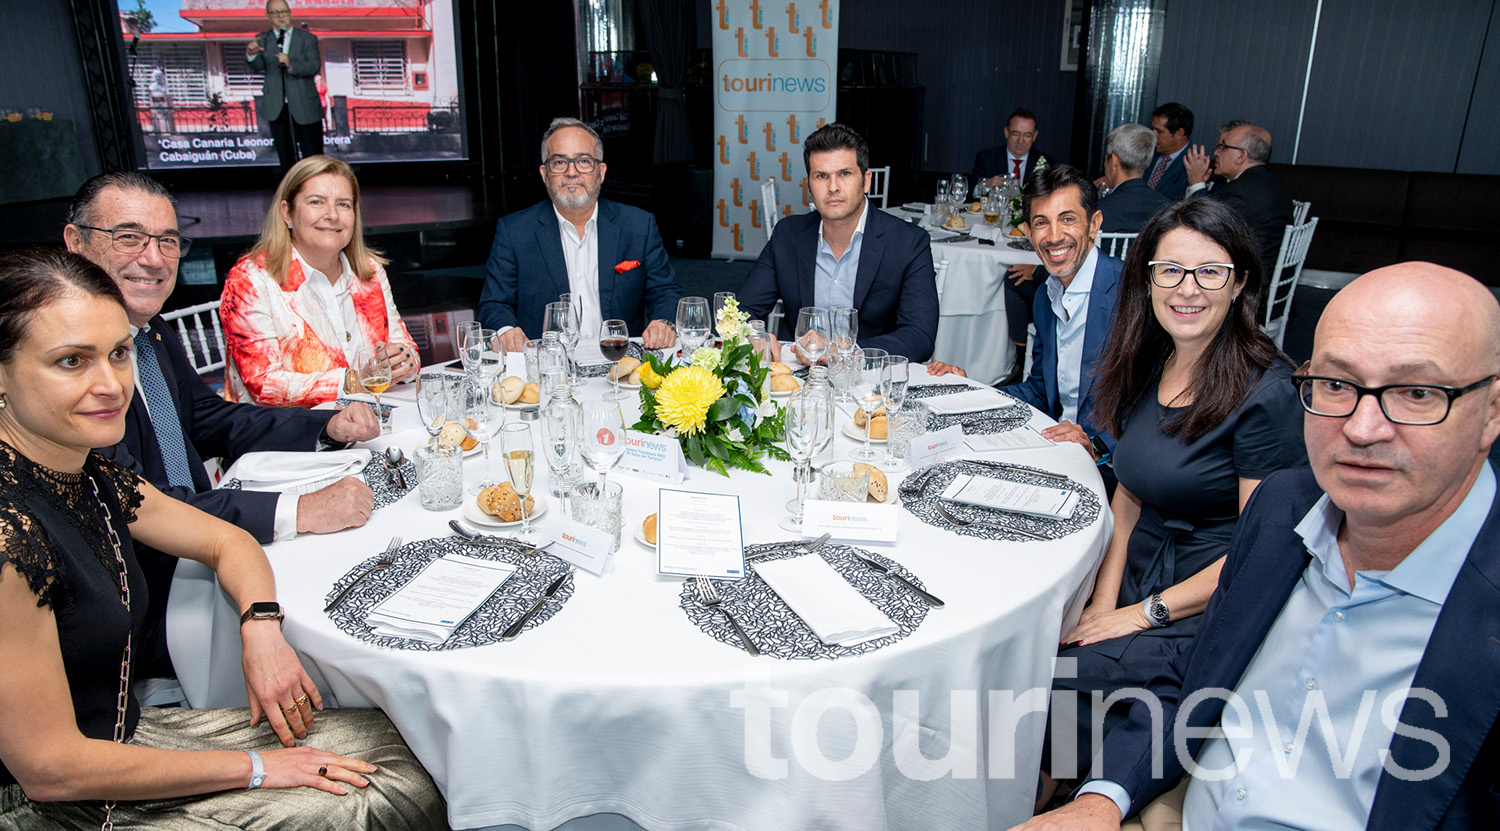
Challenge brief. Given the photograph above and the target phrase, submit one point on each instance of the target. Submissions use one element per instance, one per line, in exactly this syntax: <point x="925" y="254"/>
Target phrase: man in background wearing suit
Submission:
<point x="289" y="98"/>
<point x="1173" y="125"/>
<point x="1130" y="201"/>
<point x="1017" y="157"/>
<point x="607" y="255"/>
<point x="1252" y="189"/>
<point x="1357" y="616"/>
<point x="848" y="254"/>
<point x="126" y="224"/>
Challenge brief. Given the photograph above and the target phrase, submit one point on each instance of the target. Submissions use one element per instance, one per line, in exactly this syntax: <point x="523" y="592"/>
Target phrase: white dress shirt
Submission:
<point x="581" y="254"/>
<point x="1071" y="308"/>
<point x="340" y="324"/>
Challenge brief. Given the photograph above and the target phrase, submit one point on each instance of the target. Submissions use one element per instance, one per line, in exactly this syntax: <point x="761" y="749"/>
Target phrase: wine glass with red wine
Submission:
<point x="614" y="342"/>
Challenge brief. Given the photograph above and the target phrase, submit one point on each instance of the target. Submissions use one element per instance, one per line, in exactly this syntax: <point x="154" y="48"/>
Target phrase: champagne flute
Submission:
<point x="814" y="333"/>
<point x="721" y="298"/>
<point x="558" y="317"/>
<point x="845" y="323"/>
<point x="893" y="378"/>
<point x="693" y="324"/>
<point x="559" y="424"/>
<point x="870" y="369"/>
<point x="520" y="458"/>
<point x="464" y="336"/>
<point x="483" y="416"/>
<point x="809" y="427"/>
<point x="435" y="394"/>
<point x="614" y="342"/>
<point x="603" y="440"/>
<point x="375" y="376"/>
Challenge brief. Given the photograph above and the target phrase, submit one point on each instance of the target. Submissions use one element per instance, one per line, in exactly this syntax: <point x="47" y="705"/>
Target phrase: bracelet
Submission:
<point x="257" y="771"/>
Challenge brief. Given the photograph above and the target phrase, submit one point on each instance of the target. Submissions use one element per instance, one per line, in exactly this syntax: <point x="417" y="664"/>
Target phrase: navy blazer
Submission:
<point x="527" y="270"/>
<point x="1258" y="196"/>
<point x="895" y="289"/>
<point x="1174" y="181"/>
<point x="1461" y="665"/>
<point x="996" y="162"/>
<point x="1040" y="388"/>
<point x="1129" y="205"/>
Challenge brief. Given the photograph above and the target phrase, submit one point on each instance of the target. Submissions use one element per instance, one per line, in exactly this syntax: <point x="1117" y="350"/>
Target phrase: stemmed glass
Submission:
<point x="845" y="322"/>
<point x="559" y="424"/>
<point x="467" y="331"/>
<point x="520" y="461"/>
<point x="870" y="369"/>
<point x="375" y="376"/>
<point x="960" y="191"/>
<point x="893" y="380"/>
<point x="614" y="342"/>
<point x="693" y="324"/>
<point x="720" y="299"/>
<point x="603" y="437"/>
<point x="814" y="333"/>
<point x="435" y="394"/>
<point x="559" y="317"/>
<point x="809" y="428"/>
<point x="483" y="416"/>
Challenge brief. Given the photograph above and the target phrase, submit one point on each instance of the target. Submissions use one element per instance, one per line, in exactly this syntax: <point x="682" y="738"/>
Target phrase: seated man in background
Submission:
<point x="1252" y="189"/>
<point x="126" y="223"/>
<point x="1172" y="124"/>
<point x="846" y="253"/>
<point x="1355" y="618"/>
<point x="607" y="255"/>
<point x="1018" y="157"/>
<point x="1130" y="202"/>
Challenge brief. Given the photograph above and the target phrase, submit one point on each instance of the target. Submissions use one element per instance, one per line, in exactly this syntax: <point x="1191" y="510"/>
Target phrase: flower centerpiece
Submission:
<point x="715" y="403"/>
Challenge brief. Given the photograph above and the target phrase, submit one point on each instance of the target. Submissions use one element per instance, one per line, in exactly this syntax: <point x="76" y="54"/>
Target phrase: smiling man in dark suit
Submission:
<point x="848" y="254"/>
<point x="607" y="255"/>
<point x="1172" y="124"/>
<point x="1357" y="616"/>
<point x="1017" y="157"/>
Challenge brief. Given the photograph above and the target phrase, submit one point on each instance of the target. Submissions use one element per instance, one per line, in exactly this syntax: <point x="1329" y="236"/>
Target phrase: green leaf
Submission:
<point x="715" y="446"/>
<point x="695" y="450"/>
<point x="723" y="409"/>
<point x="717" y="466"/>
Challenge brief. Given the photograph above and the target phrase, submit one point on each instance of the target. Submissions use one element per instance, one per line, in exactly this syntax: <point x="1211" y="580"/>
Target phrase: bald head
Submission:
<point x="1451" y="306"/>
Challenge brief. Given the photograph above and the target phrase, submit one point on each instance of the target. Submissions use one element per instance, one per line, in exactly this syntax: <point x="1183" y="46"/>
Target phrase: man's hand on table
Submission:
<point x="658" y="335"/>
<point x="773" y="348"/>
<point x="355" y="422"/>
<point x="513" y="339"/>
<point x="346" y="503"/>
<point x="276" y="681"/>
<point x="1090" y="812"/>
<point x="1021" y="273"/>
<point x="940" y="368"/>
<point x="1068" y="431"/>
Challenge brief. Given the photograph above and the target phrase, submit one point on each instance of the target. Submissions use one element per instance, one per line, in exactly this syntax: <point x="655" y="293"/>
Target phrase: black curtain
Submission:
<point x="667" y="26"/>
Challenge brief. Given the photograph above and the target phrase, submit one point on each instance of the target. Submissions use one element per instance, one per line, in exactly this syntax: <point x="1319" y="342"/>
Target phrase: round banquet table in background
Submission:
<point x="972" y="332"/>
<point x="619" y="704"/>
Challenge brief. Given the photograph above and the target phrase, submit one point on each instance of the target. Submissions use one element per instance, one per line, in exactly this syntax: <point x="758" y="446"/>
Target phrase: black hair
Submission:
<point x="1049" y="180"/>
<point x="1020" y="112"/>
<point x="33" y="278"/>
<point x="835" y="136"/>
<point x="1178" y="117"/>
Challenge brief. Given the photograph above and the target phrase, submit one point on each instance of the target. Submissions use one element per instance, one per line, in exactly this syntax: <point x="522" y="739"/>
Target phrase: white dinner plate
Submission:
<point x="473" y="514"/>
<point x="640" y="536"/>
<point x="785" y="393"/>
<point x="854" y="431"/>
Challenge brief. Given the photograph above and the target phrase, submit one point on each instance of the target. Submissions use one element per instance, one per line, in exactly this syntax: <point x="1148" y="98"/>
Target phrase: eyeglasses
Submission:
<point x="1223" y="146"/>
<point x="134" y="242"/>
<point x="1020" y="135"/>
<point x="1209" y="276"/>
<point x="1413" y="404"/>
<point x="583" y="164"/>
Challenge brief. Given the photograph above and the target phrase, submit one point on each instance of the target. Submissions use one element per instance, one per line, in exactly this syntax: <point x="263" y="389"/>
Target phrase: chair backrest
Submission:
<point x="1115" y="245"/>
<point x="1283" y="283"/>
<point x="1299" y="211"/>
<point x="880" y="184"/>
<point x="203" y="339"/>
<point x="773" y="318"/>
<point x="941" y="271"/>
<point x="770" y="210"/>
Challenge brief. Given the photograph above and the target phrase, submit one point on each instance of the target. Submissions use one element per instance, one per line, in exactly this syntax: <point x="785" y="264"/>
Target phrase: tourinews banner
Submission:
<point x="774" y="64"/>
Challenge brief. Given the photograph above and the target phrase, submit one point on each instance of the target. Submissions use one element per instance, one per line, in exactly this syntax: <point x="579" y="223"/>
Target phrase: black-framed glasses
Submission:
<point x="128" y="241"/>
<point x="1420" y="405"/>
<point x="1223" y="146"/>
<point x="583" y="164"/>
<point x="1209" y="276"/>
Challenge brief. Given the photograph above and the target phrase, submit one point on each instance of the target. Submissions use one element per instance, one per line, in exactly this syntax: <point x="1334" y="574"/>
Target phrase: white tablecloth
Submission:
<point x="619" y="704"/>
<point x="972" y="331"/>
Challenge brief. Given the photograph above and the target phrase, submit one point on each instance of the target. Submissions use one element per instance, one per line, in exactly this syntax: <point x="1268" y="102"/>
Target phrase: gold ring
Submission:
<point x="298" y="702"/>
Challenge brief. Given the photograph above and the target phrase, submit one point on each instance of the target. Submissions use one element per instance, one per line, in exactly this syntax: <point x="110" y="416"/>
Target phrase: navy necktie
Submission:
<point x="163" y="412"/>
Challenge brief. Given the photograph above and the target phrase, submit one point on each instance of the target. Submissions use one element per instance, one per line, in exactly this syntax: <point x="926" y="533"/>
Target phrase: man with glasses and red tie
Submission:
<point x="607" y="255"/>
<point x="1251" y="188"/>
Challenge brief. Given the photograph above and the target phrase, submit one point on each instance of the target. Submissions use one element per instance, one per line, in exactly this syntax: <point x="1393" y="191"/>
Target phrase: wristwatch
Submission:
<point x="1101" y="450"/>
<point x="257" y="771"/>
<point x="263" y="611"/>
<point x="1157" y="612"/>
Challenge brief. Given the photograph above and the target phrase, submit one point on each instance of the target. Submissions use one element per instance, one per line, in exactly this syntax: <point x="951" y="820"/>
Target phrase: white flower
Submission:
<point x="670" y="432"/>
<point x="734" y="434"/>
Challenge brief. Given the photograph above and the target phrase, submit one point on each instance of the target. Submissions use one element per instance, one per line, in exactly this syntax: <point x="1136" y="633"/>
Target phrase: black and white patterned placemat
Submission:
<point x="375" y="475"/>
<point x="777" y="630"/>
<point x="921" y="503"/>
<point x="634" y="350"/>
<point x="533" y="573"/>
<point x="997" y="420"/>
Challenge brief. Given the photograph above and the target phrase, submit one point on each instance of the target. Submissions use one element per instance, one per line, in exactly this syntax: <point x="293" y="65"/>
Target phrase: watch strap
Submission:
<point x="1156" y="611"/>
<point x="257" y="771"/>
<point x="249" y="614"/>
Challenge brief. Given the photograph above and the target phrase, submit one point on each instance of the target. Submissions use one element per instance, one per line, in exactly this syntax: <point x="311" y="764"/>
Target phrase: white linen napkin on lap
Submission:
<point x="971" y="401"/>
<point x="836" y="612"/>
<point x="295" y="472"/>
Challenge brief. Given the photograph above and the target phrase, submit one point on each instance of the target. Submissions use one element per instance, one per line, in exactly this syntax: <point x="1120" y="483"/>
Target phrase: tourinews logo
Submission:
<point x="774" y="85"/>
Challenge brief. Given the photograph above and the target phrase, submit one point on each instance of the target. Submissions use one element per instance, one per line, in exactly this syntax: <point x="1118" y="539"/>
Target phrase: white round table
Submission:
<point x="619" y="704"/>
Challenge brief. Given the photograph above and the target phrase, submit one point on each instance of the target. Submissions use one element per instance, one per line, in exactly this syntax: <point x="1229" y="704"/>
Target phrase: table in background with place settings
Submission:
<point x="619" y="704"/>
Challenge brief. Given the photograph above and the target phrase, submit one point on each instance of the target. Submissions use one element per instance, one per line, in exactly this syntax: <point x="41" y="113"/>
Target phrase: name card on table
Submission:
<point x="861" y="521"/>
<point x="582" y="545"/>
<point x="931" y="448"/>
<point x="699" y="535"/>
<point x="653" y="457"/>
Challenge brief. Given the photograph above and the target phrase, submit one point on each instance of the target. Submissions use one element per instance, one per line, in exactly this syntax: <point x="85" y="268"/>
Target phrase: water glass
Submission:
<point x="437" y="399"/>
<point x="814" y="333"/>
<point x="694" y="322"/>
<point x="866" y="385"/>
<point x="529" y="351"/>
<point x="910" y="423"/>
<point x="440" y="476"/>
<point x="597" y="505"/>
<point x="720" y="299"/>
<point x="844" y="481"/>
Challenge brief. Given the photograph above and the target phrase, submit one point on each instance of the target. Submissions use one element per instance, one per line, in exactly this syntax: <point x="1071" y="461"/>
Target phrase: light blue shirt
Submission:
<point x="1071" y="308"/>
<point x="1353" y="652"/>
<point x="833" y="284"/>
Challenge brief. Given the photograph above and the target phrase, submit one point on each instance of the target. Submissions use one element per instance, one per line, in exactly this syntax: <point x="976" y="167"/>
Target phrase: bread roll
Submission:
<point x="454" y="434"/>
<point x="502" y="501"/>
<point x="635" y="377"/>
<point x="623" y="368"/>
<point x="879" y="485"/>
<point x="877" y="426"/>
<point x="531" y="393"/>
<point x="784" y="383"/>
<point x="648" y="528"/>
<point x="955" y="222"/>
<point x="860" y="416"/>
<point x="974" y="207"/>
<point x="511" y="387"/>
<point x="779" y="368"/>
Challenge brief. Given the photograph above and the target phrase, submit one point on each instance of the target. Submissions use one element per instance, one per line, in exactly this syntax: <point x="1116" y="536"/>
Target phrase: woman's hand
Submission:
<point x="403" y="361"/>
<point x="308" y="766"/>
<point x="1104" y="625"/>
<point x="278" y="686"/>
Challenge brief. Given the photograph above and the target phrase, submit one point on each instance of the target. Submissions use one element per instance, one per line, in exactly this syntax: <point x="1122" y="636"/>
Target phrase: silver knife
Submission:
<point x="931" y="599"/>
<point x="512" y="631"/>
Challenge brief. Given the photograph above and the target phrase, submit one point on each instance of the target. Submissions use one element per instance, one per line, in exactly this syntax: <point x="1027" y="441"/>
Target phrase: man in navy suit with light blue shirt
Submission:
<point x="607" y="255"/>
<point x="1173" y="125"/>
<point x="1347" y="674"/>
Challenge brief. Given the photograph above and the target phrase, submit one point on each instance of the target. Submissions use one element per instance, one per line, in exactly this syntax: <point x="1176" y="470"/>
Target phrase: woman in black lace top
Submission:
<point x="72" y="603"/>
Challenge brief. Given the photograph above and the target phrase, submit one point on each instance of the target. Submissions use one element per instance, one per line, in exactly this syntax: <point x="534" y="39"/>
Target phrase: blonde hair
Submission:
<point x="275" y="241"/>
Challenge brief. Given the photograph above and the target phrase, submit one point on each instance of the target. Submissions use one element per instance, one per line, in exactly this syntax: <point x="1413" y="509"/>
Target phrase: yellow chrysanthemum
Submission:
<point x="685" y="396"/>
<point x="649" y="377"/>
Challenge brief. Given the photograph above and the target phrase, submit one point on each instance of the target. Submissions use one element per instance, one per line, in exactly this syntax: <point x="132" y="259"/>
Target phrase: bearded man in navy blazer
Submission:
<point x="1357" y="616"/>
<point x="607" y="255"/>
<point x="848" y="254"/>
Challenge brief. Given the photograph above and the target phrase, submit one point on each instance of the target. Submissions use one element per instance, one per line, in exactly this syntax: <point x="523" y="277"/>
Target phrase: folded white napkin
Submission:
<point x="292" y="471"/>
<point x="983" y="231"/>
<point x="971" y="401"/>
<point x="837" y="613"/>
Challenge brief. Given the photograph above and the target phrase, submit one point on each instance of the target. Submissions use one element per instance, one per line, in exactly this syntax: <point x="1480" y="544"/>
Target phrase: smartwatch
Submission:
<point x="1101" y="450"/>
<point x="263" y="611"/>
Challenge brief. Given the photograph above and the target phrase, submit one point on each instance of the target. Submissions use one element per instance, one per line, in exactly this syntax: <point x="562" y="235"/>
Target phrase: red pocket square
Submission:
<point x="626" y="265"/>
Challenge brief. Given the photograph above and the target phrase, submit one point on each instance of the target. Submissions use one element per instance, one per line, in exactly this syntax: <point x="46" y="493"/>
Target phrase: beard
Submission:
<point x="573" y="199"/>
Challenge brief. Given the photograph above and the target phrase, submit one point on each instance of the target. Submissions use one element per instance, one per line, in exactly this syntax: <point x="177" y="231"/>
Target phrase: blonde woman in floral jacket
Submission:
<point x="299" y="308"/>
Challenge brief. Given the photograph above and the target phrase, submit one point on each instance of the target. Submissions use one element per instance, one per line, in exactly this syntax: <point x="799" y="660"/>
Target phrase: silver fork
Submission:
<point x="708" y="596"/>
<point x="386" y="560"/>
<point x="990" y="524"/>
